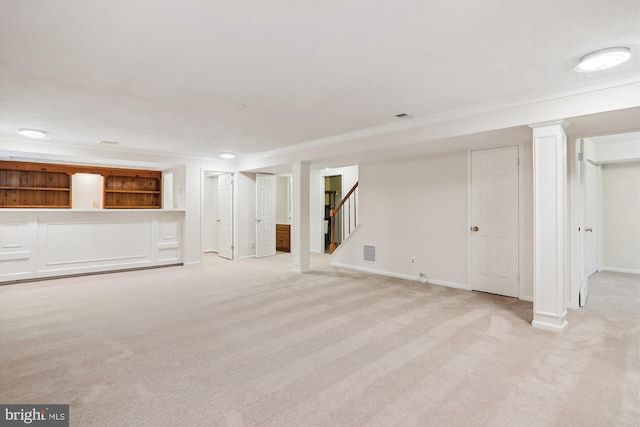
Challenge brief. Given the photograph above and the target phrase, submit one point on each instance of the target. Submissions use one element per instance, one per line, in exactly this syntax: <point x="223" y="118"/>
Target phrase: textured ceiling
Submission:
<point x="171" y="76"/>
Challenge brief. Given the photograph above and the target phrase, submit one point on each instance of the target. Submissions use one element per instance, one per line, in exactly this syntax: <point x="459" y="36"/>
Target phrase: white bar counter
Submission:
<point x="40" y="243"/>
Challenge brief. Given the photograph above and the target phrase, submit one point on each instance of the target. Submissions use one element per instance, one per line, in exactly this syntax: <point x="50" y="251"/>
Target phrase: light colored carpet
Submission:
<point x="250" y="343"/>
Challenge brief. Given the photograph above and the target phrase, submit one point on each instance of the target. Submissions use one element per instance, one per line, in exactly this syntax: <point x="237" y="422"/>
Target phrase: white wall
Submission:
<point x="621" y="217"/>
<point x="246" y="229"/>
<point x="418" y="208"/>
<point x="167" y="190"/>
<point x="87" y="190"/>
<point x="210" y="214"/>
<point x="414" y="208"/>
<point x="179" y="186"/>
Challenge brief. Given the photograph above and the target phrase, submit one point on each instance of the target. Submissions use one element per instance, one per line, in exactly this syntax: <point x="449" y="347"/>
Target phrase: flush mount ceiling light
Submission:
<point x="603" y="59"/>
<point x="34" y="134"/>
<point x="228" y="156"/>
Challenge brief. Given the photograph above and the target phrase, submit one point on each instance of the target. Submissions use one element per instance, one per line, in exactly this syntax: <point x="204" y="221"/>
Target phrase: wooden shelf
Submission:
<point x="11" y="187"/>
<point x="133" y="191"/>
<point x="36" y="206"/>
<point x="130" y="207"/>
<point x="27" y="185"/>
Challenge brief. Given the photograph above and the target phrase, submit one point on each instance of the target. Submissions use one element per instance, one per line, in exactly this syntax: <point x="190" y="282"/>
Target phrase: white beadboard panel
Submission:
<point x="94" y="242"/>
<point x="14" y="255"/>
<point x="48" y="243"/>
<point x="13" y="235"/>
<point x="169" y="230"/>
<point x="168" y="254"/>
<point x="168" y="246"/>
<point x="17" y="236"/>
<point x="14" y="269"/>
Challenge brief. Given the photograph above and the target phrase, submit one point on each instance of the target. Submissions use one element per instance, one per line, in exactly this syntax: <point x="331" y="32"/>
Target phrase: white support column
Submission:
<point x="550" y="215"/>
<point x="300" y="221"/>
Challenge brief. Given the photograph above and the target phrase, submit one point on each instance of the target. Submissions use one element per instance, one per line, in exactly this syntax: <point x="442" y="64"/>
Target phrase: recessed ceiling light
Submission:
<point x="603" y="59"/>
<point x="404" y="116"/>
<point x="34" y="134"/>
<point x="227" y="156"/>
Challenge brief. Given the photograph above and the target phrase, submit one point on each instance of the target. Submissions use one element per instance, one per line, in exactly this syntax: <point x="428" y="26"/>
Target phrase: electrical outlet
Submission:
<point x="412" y="260"/>
<point x="253" y="245"/>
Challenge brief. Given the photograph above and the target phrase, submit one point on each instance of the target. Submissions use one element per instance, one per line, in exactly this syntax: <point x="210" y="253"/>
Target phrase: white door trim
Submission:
<point x="521" y="225"/>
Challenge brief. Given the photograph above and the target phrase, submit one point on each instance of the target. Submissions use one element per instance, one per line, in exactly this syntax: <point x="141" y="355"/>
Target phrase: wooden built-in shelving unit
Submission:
<point x="43" y="185"/>
<point x="32" y="185"/>
<point x="133" y="192"/>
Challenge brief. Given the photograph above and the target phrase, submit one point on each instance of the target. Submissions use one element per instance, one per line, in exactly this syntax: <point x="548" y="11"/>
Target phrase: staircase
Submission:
<point x="345" y="213"/>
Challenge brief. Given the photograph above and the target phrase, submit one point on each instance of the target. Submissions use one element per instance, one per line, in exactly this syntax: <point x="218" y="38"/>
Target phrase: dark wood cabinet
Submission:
<point x="283" y="237"/>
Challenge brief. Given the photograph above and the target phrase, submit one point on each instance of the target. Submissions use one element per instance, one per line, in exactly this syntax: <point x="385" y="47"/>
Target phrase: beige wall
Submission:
<point x="418" y="208"/>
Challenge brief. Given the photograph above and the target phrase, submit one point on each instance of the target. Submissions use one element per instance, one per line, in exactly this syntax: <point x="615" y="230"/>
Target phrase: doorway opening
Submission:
<point x="216" y="225"/>
<point x="607" y="169"/>
<point x="332" y="196"/>
<point x="273" y="214"/>
<point x="284" y="204"/>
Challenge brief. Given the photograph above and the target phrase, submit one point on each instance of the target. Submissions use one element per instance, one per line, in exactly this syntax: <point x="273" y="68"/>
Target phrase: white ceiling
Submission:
<point x="171" y="76"/>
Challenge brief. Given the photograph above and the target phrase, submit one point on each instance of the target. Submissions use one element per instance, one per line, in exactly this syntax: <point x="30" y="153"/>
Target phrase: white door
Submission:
<point x="265" y="215"/>
<point x="225" y="212"/>
<point x="590" y="227"/>
<point x="494" y="221"/>
<point x="590" y="217"/>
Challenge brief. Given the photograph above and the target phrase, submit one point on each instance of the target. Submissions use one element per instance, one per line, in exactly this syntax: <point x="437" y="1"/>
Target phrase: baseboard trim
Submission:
<point x="88" y="273"/>
<point x="549" y="326"/>
<point x="448" y="284"/>
<point x="400" y="276"/>
<point x="620" y="270"/>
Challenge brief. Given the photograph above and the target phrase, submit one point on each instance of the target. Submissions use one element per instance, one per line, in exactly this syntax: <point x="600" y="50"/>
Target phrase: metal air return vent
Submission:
<point x="369" y="253"/>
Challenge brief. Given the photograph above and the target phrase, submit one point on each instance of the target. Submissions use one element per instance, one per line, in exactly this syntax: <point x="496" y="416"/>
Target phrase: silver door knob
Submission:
<point x="475" y="228"/>
<point x="258" y="220"/>
<point x="589" y="229"/>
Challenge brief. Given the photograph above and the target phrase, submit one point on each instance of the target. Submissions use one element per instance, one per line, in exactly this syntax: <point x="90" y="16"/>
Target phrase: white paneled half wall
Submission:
<point x="47" y="243"/>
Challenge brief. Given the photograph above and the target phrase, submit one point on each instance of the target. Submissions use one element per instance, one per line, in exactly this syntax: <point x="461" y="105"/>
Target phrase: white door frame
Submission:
<point x="522" y="154"/>
<point x="234" y="219"/>
<point x="576" y="207"/>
